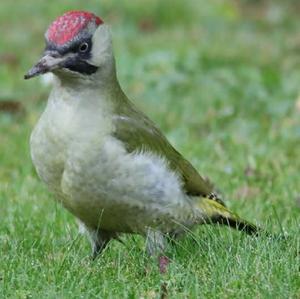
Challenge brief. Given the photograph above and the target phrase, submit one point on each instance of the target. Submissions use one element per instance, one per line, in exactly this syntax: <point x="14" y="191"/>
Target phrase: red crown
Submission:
<point x="67" y="26"/>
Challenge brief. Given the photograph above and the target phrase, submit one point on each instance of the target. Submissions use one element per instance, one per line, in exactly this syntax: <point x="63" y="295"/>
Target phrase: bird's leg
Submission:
<point x="156" y="244"/>
<point x="98" y="238"/>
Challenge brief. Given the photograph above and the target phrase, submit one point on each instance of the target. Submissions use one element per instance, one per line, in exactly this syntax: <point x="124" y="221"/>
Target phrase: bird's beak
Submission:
<point x="49" y="62"/>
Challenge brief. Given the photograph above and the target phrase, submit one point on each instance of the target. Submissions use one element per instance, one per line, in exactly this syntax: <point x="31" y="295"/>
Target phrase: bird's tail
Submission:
<point x="215" y="212"/>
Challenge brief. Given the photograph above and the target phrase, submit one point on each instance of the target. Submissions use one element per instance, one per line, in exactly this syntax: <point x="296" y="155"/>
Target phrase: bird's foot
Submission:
<point x="163" y="262"/>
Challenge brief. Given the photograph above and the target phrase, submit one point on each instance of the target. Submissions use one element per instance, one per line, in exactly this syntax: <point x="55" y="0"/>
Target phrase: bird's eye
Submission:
<point x="83" y="47"/>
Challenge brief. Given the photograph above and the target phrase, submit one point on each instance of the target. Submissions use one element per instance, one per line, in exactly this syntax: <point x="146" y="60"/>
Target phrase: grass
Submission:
<point x="222" y="83"/>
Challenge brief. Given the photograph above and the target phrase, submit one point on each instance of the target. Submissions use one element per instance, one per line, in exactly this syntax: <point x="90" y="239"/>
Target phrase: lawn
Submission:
<point x="221" y="79"/>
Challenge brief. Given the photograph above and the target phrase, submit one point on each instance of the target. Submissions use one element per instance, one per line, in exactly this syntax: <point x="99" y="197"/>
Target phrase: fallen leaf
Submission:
<point x="146" y="25"/>
<point x="9" y="59"/>
<point x="12" y="107"/>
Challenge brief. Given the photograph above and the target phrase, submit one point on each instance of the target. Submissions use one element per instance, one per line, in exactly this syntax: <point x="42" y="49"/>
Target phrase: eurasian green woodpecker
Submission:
<point x="104" y="160"/>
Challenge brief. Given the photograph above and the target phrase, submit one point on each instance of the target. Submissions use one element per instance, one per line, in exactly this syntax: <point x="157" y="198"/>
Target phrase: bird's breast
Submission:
<point x="64" y="131"/>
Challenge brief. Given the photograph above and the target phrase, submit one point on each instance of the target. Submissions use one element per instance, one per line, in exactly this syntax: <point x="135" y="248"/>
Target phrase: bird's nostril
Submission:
<point x="53" y="54"/>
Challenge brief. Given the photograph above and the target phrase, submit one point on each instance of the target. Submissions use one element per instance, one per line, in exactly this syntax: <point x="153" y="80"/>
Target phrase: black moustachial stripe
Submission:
<point x="80" y="66"/>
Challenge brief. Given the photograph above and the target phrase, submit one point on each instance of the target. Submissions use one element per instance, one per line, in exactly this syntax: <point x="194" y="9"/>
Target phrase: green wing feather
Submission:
<point x="138" y="132"/>
<point x="217" y="213"/>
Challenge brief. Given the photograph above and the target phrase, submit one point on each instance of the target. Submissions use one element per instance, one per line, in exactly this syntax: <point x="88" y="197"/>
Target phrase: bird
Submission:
<point x="104" y="160"/>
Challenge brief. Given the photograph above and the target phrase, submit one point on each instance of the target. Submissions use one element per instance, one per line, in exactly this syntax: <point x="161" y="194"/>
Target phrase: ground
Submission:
<point x="221" y="79"/>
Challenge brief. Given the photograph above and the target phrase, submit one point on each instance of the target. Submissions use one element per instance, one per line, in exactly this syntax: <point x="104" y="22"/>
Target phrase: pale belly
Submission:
<point x="108" y="188"/>
<point x="115" y="190"/>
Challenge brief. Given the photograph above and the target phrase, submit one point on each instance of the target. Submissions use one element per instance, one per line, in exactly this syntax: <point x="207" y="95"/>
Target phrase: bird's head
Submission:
<point x="78" y="45"/>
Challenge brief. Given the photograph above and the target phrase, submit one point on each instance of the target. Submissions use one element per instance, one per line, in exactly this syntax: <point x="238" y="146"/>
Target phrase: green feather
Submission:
<point x="139" y="133"/>
<point x="217" y="213"/>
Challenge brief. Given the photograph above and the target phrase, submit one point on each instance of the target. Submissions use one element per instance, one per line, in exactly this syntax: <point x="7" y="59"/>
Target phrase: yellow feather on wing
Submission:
<point x="218" y="213"/>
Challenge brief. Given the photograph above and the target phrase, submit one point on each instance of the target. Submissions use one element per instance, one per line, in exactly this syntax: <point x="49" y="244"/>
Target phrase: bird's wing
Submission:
<point x="135" y="127"/>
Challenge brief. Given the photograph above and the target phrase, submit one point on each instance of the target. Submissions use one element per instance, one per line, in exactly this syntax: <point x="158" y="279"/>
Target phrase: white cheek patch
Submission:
<point x="102" y="46"/>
